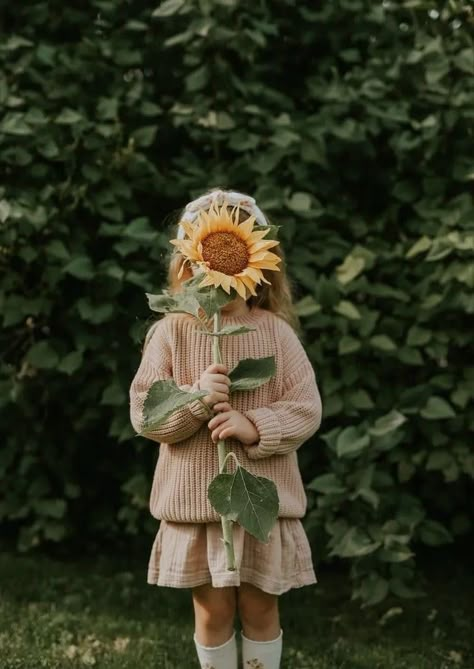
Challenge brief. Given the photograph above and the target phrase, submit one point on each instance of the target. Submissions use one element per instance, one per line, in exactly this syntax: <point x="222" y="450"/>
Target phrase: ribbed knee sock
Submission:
<point x="262" y="654"/>
<point x="218" y="657"/>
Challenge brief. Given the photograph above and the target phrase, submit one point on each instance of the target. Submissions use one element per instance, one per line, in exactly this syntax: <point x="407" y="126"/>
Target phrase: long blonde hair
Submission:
<point x="277" y="296"/>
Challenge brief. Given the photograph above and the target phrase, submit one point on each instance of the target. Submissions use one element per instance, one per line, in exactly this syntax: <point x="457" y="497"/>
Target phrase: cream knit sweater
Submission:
<point x="286" y="412"/>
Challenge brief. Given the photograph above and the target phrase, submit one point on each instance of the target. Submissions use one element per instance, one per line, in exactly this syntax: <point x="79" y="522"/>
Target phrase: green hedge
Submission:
<point x="351" y="124"/>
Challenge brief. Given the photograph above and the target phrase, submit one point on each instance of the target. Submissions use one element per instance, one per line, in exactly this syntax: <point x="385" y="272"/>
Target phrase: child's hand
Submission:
<point x="231" y="423"/>
<point x="215" y="380"/>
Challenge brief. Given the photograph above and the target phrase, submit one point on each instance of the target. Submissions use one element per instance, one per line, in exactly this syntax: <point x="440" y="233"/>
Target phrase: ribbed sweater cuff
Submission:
<point x="198" y="408"/>
<point x="269" y="429"/>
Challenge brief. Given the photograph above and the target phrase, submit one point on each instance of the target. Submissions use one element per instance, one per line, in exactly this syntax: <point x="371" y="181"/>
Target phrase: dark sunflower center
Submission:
<point x="225" y="252"/>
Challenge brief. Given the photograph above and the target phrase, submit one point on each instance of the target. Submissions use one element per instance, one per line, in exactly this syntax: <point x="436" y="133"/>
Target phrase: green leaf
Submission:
<point x="145" y="136"/>
<point x="440" y="460"/>
<point x="53" y="508"/>
<point x="383" y="342"/>
<point x="166" y="303"/>
<point x="354" y="543"/>
<point x="197" y="79"/>
<point x="437" y="408"/>
<point x="68" y="117"/>
<point x="372" y="590"/>
<point x="81" y="267"/>
<point x="360" y="399"/>
<point x="348" y="344"/>
<point x="423" y="244"/>
<point x="251" y="373"/>
<point x="113" y="395"/>
<point x="168" y="8"/>
<point x="328" y="484"/>
<point x="140" y="230"/>
<point x="433" y="533"/>
<point x="225" y="121"/>
<point x="350" y="442"/>
<point x="307" y="306"/>
<point x="42" y="355"/>
<point x="71" y="362"/>
<point x="418" y="336"/>
<point x="385" y="424"/>
<point x="191" y="300"/>
<point x="349" y="269"/>
<point x="300" y="202"/>
<point x="252" y="501"/>
<point x="95" y="313"/>
<point x="398" y="554"/>
<point x="13" y="124"/>
<point x="347" y="309"/>
<point x="163" y="398"/>
<point x="405" y="590"/>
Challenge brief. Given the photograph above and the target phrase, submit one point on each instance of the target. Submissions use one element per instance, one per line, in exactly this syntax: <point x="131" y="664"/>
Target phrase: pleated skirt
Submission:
<point x="185" y="555"/>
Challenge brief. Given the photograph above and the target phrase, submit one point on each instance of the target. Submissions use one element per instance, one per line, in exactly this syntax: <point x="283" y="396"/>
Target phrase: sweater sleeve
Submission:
<point x="286" y="424"/>
<point x="156" y="365"/>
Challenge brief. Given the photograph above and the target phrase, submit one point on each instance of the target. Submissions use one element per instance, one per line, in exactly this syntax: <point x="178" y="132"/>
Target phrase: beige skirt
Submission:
<point x="185" y="555"/>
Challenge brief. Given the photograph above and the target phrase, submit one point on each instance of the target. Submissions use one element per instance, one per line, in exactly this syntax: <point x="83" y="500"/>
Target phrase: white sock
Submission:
<point x="218" y="657"/>
<point x="262" y="654"/>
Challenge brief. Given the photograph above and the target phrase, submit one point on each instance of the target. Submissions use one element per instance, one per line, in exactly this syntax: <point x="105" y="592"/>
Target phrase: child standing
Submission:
<point x="264" y="427"/>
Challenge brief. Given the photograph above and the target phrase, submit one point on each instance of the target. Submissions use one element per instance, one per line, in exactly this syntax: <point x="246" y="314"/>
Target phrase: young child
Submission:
<point x="264" y="427"/>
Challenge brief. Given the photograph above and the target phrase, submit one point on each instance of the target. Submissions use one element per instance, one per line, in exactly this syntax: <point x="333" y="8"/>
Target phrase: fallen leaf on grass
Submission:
<point x="121" y="643"/>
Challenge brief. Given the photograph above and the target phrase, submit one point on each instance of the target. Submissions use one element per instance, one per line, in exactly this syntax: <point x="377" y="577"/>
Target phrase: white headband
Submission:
<point x="233" y="198"/>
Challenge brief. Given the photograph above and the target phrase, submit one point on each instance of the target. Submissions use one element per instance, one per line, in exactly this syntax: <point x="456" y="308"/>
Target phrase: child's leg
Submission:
<point x="214" y="637"/>
<point x="261" y="631"/>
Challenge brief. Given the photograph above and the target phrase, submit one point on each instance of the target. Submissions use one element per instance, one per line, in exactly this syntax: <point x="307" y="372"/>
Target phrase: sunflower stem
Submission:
<point x="227" y="530"/>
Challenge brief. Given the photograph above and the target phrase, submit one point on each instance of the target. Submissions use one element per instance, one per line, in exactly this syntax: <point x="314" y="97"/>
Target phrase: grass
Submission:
<point x="101" y="613"/>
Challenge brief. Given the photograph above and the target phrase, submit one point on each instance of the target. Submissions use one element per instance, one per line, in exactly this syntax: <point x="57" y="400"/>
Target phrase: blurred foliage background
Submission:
<point x="351" y="123"/>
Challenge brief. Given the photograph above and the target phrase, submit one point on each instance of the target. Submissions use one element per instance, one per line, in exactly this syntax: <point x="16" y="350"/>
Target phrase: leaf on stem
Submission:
<point x="163" y="398"/>
<point x="198" y="301"/>
<point x="251" y="373"/>
<point x="250" y="500"/>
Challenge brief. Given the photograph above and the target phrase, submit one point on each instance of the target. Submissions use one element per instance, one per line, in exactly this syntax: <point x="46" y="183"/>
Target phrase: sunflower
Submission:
<point x="229" y="253"/>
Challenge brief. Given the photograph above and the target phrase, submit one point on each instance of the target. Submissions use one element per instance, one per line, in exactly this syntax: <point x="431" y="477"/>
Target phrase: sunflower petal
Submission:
<point x="247" y="281"/>
<point x="240" y="288"/>
<point x="188" y="249"/>
<point x="266" y="255"/>
<point x="188" y="228"/>
<point x="225" y="281"/>
<point x="253" y="272"/>
<point x="257" y="234"/>
<point x="246" y="227"/>
<point x="261" y="264"/>
<point x="262" y="245"/>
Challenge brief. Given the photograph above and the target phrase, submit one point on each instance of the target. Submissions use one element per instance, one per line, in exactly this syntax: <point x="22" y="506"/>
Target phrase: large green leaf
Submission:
<point x="350" y="268"/>
<point x="251" y="373"/>
<point x="163" y="398"/>
<point x="250" y="500"/>
<point x="351" y="442"/>
<point x="201" y="302"/>
<point x="437" y="408"/>
<point x="433" y="533"/>
<point x="167" y="303"/>
<point x="385" y="424"/>
<point x="328" y="484"/>
<point x="354" y="543"/>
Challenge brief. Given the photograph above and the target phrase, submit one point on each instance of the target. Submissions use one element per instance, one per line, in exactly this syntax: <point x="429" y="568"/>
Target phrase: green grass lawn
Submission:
<point x="101" y="613"/>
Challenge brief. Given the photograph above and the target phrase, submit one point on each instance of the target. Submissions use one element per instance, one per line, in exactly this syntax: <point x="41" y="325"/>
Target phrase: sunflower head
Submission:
<point x="228" y="253"/>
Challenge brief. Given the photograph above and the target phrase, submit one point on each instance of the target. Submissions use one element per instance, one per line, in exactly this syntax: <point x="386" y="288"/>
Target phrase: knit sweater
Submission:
<point x="286" y="410"/>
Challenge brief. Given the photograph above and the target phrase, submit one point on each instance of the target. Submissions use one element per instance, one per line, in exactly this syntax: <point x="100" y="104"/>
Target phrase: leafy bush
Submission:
<point x="351" y="124"/>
